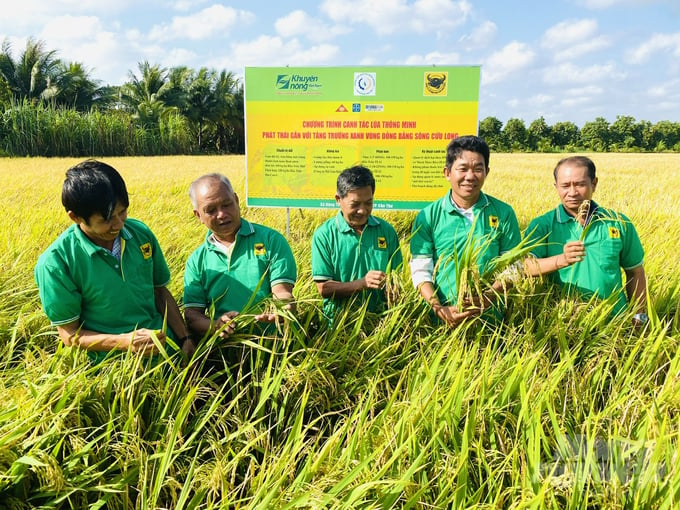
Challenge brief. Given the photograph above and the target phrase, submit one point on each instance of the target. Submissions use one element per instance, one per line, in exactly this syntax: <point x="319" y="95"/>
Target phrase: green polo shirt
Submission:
<point x="260" y="258"/>
<point x="611" y="243"/>
<point x="441" y="232"/>
<point x="78" y="280"/>
<point x="342" y="255"/>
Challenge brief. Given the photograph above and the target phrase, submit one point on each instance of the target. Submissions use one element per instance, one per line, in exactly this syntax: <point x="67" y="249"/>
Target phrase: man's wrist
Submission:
<point x="433" y="301"/>
<point x="557" y="262"/>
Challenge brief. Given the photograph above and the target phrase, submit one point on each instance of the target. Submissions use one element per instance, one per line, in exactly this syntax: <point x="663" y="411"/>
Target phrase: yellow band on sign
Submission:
<point x="305" y="125"/>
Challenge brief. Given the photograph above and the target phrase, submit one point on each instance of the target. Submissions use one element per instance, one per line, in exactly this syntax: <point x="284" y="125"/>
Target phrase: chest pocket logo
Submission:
<point x="493" y="221"/>
<point x="146" y="250"/>
<point x="614" y="233"/>
<point x="382" y="243"/>
<point x="259" y="249"/>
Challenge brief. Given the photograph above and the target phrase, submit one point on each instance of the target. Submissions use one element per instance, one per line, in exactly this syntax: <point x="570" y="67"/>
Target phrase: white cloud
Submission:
<point x="481" y="37"/>
<point x="510" y="59"/>
<point x="568" y="72"/>
<point x="598" y="4"/>
<point x="655" y="44"/>
<point x="540" y="99"/>
<point x="572" y="102"/>
<point x="665" y="90"/>
<point x="273" y="51"/>
<point x="187" y="5"/>
<point x="573" y="38"/>
<point x="433" y="58"/>
<point x="589" y="90"/>
<point x="24" y="15"/>
<point x="299" y="23"/>
<point x="567" y="33"/>
<point x="605" y="4"/>
<point x="179" y="57"/>
<point x="84" y="39"/>
<point x="70" y="28"/>
<point x="209" y="22"/>
<point x="578" y="50"/>
<point x="394" y="16"/>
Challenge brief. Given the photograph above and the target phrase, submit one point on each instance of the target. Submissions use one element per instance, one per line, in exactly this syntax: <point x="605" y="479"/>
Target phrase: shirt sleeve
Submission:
<point x="632" y="254"/>
<point x="60" y="297"/>
<point x="511" y="235"/>
<point x="535" y="232"/>
<point x="422" y="270"/>
<point x="282" y="263"/>
<point x="195" y="295"/>
<point x="422" y="242"/>
<point x="322" y="265"/>
<point x="161" y="272"/>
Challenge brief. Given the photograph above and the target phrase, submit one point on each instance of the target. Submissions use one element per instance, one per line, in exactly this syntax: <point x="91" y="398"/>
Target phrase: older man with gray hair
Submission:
<point x="238" y="264"/>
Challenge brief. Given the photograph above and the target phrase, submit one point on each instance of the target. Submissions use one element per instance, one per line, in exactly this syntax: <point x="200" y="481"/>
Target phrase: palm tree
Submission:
<point x="235" y="141"/>
<point x="223" y="113"/>
<point x="206" y="101"/>
<point x="73" y="88"/>
<point x="29" y="76"/>
<point x="146" y="96"/>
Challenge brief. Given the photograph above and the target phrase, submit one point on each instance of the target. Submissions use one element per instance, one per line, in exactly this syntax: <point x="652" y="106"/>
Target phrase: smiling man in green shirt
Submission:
<point x="353" y="251"/>
<point x="102" y="283"/>
<point x="590" y="263"/>
<point x="442" y="231"/>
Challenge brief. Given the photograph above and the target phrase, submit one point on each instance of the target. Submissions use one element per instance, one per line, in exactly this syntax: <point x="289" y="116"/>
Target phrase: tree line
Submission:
<point x="625" y="134"/>
<point x="50" y="107"/>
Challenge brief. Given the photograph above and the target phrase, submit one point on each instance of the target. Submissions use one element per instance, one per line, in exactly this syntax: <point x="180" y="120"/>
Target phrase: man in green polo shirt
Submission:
<point x="240" y="264"/>
<point x="464" y="221"/>
<point x="584" y="246"/>
<point x="353" y="251"/>
<point x="102" y="283"/>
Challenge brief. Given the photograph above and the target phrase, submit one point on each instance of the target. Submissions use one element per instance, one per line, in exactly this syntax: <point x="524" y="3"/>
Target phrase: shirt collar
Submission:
<point x="564" y="217"/>
<point x="344" y="227"/>
<point x="244" y="230"/>
<point x="92" y="248"/>
<point x="447" y="203"/>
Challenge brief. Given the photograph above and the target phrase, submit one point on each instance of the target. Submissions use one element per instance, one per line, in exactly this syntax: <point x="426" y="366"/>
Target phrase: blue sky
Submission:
<point x="565" y="60"/>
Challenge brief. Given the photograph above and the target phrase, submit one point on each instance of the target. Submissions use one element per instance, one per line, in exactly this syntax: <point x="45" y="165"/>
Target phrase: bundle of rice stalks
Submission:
<point x="583" y="212"/>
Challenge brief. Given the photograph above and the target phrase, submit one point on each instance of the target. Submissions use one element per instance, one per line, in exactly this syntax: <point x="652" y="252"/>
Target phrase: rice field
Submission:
<point x="559" y="407"/>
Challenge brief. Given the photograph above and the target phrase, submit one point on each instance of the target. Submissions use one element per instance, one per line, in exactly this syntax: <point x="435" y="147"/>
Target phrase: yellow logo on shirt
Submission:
<point x="382" y="243"/>
<point x="614" y="233"/>
<point x="493" y="221"/>
<point x="259" y="249"/>
<point x="146" y="250"/>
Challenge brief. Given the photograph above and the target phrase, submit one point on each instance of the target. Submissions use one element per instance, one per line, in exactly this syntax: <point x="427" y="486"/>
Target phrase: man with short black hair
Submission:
<point x="102" y="283"/>
<point x="443" y="231"/>
<point x="578" y="223"/>
<point x="353" y="251"/>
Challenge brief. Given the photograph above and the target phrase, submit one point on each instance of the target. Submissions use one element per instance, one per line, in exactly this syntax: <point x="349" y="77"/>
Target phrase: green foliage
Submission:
<point x="622" y="135"/>
<point x="41" y="130"/>
<point x="206" y="106"/>
<point x="490" y="129"/>
<point x="31" y="73"/>
<point x="538" y="134"/>
<point x="515" y="135"/>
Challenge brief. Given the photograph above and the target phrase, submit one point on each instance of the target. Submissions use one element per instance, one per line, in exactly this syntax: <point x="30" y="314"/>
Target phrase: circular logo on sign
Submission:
<point x="364" y="84"/>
